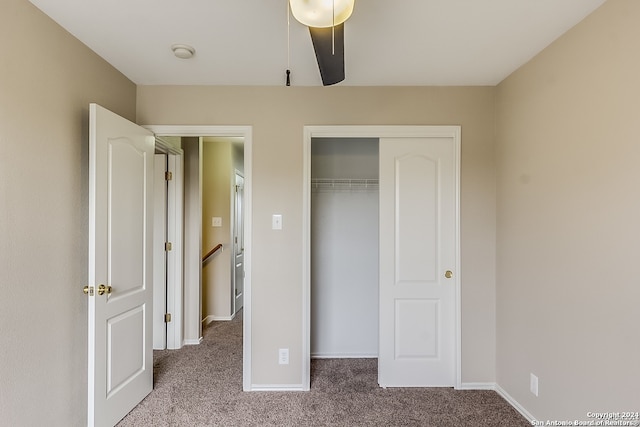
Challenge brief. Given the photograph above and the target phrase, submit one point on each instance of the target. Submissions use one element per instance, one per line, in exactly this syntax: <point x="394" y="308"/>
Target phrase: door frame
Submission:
<point x="369" y="132"/>
<point x="174" y="272"/>
<point x="246" y="133"/>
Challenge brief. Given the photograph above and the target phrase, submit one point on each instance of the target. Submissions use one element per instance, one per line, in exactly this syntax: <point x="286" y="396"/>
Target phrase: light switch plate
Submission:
<point x="216" y="221"/>
<point x="276" y="222"/>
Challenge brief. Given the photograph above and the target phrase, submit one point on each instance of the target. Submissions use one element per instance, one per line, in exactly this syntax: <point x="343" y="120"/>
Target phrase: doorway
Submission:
<point x="419" y="259"/>
<point x="192" y="283"/>
<point x="344" y="248"/>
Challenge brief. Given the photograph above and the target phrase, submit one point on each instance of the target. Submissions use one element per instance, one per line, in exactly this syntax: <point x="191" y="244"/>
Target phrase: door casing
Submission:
<point x="368" y="132"/>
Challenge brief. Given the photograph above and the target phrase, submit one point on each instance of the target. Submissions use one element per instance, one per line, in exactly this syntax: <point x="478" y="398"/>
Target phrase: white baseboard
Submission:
<point x="343" y="356"/>
<point x="276" y="387"/>
<point x="477" y="386"/>
<point x="212" y="318"/>
<point x="515" y="404"/>
<point x="506" y="396"/>
<point x="193" y="342"/>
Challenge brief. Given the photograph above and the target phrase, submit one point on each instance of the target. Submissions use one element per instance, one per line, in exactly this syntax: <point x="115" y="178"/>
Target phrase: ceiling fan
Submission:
<point x="325" y="19"/>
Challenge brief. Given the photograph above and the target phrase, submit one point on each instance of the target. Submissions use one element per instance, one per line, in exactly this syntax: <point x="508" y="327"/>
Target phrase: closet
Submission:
<point x="344" y="247"/>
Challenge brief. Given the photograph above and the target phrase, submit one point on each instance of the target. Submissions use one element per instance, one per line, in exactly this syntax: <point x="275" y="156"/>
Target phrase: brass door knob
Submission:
<point x="448" y="274"/>
<point x="102" y="289"/>
<point x="88" y="290"/>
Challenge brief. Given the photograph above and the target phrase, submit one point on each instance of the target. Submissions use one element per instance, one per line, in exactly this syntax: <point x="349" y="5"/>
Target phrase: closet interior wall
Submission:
<point x="344" y="247"/>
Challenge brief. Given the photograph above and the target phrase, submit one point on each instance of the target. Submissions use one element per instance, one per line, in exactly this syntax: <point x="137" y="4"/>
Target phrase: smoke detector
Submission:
<point x="183" y="51"/>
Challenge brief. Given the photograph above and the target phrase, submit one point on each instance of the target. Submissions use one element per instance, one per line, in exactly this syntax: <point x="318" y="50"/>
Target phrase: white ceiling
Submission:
<point x="244" y="42"/>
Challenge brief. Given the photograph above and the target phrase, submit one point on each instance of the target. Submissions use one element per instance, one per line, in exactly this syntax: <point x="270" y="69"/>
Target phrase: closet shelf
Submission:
<point x="325" y="184"/>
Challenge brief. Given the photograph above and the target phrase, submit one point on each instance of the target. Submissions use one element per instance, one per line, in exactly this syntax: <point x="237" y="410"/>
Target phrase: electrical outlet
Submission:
<point x="283" y="356"/>
<point x="533" y="385"/>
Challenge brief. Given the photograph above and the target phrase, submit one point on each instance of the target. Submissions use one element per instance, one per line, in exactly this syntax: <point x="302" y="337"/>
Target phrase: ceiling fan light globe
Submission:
<point x="319" y="13"/>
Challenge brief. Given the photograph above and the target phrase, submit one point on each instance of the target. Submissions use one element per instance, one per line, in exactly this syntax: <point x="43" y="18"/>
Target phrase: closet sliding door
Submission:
<point x="418" y="261"/>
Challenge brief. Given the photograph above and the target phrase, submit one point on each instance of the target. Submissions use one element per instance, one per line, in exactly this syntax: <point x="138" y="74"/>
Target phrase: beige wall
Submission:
<point x="47" y="80"/>
<point x="216" y="202"/>
<point x="278" y="115"/>
<point x="568" y="211"/>
<point x="221" y="157"/>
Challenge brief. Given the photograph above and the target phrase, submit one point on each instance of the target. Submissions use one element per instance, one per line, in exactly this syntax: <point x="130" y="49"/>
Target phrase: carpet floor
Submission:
<point x="202" y="386"/>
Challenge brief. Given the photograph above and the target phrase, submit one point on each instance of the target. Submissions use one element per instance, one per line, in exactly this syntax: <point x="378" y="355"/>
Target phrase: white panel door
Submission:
<point x="238" y="239"/>
<point x="418" y="251"/>
<point x="120" y="354"/>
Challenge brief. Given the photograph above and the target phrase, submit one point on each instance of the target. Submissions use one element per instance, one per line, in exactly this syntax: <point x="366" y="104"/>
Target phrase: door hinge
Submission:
<point x="167" y="246"/>
<point x="168" y="176"/>
<point x="167" y="318"/>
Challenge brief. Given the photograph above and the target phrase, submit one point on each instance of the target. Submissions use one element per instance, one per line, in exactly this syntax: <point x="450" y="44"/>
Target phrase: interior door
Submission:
<point x="238" y="238"/>
<point x="159" y="251"/>
<point x="418" y="255"/>
<point x="120" y="266"/>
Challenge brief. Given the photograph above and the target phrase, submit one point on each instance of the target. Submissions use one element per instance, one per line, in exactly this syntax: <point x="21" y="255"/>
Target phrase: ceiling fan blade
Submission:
<point x="330" y="61"/>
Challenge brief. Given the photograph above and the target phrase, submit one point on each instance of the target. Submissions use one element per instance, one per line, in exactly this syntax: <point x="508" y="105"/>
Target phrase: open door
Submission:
<point x="121" y="163"/>
<point x="160" y="252"/>
<point x="418" y="260"/>
<point x="238" y="239"/>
